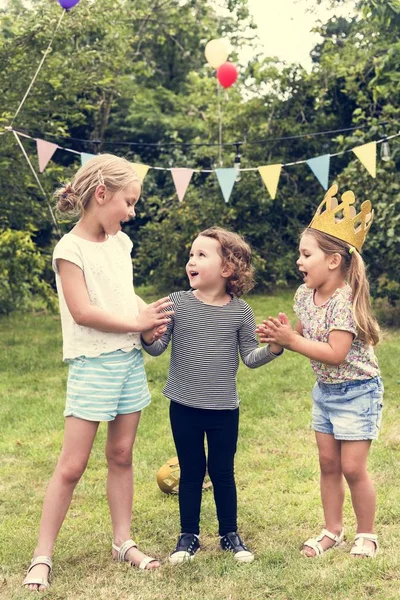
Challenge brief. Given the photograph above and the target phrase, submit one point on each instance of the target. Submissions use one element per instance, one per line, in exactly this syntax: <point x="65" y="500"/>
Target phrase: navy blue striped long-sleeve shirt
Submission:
<point x="206" y="342"/>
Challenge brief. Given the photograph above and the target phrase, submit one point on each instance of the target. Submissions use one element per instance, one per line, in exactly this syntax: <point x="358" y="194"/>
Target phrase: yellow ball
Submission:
<point x="168" y="476"/>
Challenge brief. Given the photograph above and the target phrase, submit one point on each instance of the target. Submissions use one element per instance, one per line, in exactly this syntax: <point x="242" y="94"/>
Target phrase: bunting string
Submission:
<point x="157" y="168"/>
<point x="226" y="177"/>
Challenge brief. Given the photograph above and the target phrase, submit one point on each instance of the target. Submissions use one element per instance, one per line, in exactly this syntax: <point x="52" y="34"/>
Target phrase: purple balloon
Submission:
<point x="67" y="4"/>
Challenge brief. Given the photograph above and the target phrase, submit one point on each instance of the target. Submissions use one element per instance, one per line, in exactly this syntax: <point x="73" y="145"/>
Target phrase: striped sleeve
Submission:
<point x="159" y="346"/>
<point x="251" y="354"/>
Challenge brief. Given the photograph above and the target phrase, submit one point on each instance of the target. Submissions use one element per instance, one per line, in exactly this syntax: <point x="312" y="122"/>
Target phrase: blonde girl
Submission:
<point x="210" y="327"/>
<point x="101" y="319"/>
<point x="337" y="332"/>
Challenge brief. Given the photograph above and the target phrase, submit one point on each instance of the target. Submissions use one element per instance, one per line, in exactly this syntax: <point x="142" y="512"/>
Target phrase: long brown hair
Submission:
<point x="354" y="272"/>
<point x="236" y="253"/>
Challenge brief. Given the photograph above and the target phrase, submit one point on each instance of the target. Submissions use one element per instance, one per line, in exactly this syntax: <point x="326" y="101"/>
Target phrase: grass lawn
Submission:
<point x="276" y="470"/>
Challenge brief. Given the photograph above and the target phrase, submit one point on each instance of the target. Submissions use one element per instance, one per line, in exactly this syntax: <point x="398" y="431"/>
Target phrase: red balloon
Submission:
<point x="227" y="74"/>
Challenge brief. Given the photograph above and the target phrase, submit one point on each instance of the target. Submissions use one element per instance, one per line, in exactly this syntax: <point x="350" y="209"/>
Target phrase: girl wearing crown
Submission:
<point x="337" y="332"/>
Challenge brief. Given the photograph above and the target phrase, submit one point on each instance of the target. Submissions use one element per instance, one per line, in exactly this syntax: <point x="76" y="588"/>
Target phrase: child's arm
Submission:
<point x="332" y="352"/>
<point x="251" y="354"/>
<point x="84" y="313"/>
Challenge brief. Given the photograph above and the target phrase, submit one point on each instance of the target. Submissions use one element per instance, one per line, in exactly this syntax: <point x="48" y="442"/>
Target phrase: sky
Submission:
<point x="284" y="27"/>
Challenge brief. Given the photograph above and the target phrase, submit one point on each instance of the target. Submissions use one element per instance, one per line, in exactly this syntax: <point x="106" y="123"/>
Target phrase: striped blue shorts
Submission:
<point x="100" y="388"/>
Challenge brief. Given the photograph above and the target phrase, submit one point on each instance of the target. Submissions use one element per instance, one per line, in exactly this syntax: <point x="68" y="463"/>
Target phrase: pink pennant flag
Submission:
<point x="181" y="177"/>
<point x="45" y="151"/>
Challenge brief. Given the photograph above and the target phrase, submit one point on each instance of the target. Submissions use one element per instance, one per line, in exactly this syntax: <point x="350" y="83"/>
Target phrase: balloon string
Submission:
<point x="219" y="124"/>
<point x="38" y="182"/>
<point x="39" y="67"/>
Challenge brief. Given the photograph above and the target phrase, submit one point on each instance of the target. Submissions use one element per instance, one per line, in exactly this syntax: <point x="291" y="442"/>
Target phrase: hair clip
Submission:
<point x="351" y="249"/>
<point x="67" y="190"/>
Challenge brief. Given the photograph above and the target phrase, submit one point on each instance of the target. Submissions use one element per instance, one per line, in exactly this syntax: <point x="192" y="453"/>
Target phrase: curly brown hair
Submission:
<point x="237" y="254"/>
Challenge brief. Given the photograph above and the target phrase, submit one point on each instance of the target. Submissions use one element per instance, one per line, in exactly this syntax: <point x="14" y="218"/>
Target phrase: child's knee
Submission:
<point x="71" y="471"/>
<point x="353" y="472"/>
<point x="119" y="455"/>
<point x="329" y="464"/>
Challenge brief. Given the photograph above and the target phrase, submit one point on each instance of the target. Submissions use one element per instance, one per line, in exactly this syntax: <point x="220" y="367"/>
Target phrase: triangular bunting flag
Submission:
<point x="45" y="151"/>
<point x="181" y="177"/>
<point x="367" y="155"/>
<point x="320" y="167"/>
<point x="141" y="170"/>
<point x="226" y="180"/>
<point x="270" y="175"/>
<point x="85" y="156"/>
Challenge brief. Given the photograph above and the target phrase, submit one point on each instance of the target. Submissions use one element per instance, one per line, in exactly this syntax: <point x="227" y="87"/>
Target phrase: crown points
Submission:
<point x="341" y="219"/>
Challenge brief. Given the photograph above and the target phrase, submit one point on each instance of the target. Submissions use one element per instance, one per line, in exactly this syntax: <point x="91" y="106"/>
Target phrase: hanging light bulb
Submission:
<point x="385" y="151"/>
<point x="236" y="164"/>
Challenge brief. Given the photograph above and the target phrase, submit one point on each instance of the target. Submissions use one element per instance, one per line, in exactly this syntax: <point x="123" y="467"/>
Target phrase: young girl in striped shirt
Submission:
<point x="211" y="325"/>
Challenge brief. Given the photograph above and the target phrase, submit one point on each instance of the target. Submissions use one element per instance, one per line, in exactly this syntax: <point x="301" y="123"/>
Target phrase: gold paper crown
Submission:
<point x="341" y="220"/>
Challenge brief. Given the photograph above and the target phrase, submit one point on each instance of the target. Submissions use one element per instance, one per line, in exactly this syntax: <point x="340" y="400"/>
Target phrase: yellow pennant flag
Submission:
<point x="367" y="155"/>
<point x="270" y="175"/>
<point x="141" y="170"/>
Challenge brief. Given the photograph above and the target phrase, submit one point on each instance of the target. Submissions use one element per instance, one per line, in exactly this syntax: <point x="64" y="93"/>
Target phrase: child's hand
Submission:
<point x="283" y="318"/>
<point x="153" y="335"/>
<point x="276" y="331"/>
<point x="154" y="315"/>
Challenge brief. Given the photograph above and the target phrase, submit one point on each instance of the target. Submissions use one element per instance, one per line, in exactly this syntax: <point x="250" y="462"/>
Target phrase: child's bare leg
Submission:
<point x="363" y="496"/>
<point x="121" y="436"/>
<point x="332" y="487"/>
<point x="78" y="441"/>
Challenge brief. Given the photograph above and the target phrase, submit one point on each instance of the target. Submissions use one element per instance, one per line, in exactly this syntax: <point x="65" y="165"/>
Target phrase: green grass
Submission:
<point x="277" y="479"/>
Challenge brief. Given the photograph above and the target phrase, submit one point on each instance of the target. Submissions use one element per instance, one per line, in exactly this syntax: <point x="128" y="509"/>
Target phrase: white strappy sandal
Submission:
<point x="123" y="549"/>
<point x="360" y="549"/>
<point x="315" y="543"/>
<point x="39" y="581"/>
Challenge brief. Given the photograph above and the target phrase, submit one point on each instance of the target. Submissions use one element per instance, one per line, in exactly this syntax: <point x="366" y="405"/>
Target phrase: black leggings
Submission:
<point x="189" y="425"/>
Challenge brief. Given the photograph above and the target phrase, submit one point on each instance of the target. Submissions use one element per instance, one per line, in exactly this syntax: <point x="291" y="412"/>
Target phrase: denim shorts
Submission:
<point x="100" y="388"/>
<point x="349" y="411"/>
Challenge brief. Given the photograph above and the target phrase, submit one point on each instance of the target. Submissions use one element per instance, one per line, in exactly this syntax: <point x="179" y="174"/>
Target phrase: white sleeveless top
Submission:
<point x="107" y="267"/>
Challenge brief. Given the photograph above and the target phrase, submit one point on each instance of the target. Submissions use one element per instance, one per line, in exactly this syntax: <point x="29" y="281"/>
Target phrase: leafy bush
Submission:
<point x="21" y="275"/>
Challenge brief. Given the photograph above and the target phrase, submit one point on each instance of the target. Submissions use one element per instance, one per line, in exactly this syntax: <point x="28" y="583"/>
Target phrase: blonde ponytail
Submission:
<point x="365" y="321"/>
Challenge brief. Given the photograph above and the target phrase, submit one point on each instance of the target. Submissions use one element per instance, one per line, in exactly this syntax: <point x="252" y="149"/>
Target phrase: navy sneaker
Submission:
<point x="232" y="542"/>
<point x="186" y="548"/>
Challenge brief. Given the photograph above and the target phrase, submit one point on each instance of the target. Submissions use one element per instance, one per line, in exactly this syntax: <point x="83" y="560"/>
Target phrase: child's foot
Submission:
<point x="37" y="577"/>
<point x="325" y="541"/>
<point x="136" y="558"/>
<point x="365" y="545"/>
<point x="232" y="542"/>
<point x="129" y="552"/>
<point x="187" y="546"/>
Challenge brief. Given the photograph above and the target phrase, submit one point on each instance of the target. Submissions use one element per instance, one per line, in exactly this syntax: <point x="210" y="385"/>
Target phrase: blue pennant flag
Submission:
<point x="85" y="157"/>
<point x="226" y="180"/>
<point x="320" y="167"/>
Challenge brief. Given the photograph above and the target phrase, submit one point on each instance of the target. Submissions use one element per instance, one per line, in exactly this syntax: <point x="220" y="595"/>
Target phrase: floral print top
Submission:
<point x="318" y="321"/>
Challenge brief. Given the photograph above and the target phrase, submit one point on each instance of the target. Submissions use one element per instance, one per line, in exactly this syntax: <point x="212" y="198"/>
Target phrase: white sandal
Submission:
<point x="39" y="581"/>
<point x="123" y="549"/>
<point x="315" y="543"/>
<point x="359" y="548"/>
